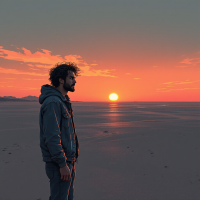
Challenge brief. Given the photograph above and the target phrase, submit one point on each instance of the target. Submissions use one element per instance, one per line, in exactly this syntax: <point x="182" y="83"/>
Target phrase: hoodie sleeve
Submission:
<point x="51" y="129"/>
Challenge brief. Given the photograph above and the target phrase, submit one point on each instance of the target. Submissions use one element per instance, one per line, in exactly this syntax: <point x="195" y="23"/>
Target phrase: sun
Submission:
<point x="113" y="97"/>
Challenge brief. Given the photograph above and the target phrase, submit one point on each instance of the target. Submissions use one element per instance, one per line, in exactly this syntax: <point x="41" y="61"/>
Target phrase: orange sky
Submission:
<point x="141" y="51"/>
<point x="26" y="71"/>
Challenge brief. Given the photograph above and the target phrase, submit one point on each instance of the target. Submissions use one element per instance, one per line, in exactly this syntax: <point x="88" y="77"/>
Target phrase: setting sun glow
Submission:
<point x="113" y="97"/>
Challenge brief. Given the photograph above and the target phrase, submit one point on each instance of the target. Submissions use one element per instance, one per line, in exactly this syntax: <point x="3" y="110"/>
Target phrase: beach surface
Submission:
<point x="128" y="151"/>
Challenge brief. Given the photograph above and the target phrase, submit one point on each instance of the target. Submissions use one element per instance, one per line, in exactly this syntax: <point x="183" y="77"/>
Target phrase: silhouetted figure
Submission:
<point x="58" y="139"/>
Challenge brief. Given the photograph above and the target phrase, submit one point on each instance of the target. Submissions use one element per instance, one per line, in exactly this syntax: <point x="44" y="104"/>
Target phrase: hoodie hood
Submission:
<point x="48" y="90"/>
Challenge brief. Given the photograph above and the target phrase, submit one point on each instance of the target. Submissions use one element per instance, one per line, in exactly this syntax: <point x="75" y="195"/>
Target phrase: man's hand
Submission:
<point x="65" y="173"/>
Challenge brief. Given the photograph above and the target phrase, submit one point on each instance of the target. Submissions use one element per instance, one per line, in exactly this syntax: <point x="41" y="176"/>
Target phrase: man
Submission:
<point x="58" y="139"/>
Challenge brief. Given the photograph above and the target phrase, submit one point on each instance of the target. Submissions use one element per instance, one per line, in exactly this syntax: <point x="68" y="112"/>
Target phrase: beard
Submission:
<point x="68" y="87"/>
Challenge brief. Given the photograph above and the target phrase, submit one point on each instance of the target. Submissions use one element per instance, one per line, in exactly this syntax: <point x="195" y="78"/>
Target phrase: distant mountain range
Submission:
<point x="11" y="98"/>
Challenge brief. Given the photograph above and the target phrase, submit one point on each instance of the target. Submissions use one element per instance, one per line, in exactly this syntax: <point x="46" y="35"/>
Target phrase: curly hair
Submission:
<point x="61" y="70"/>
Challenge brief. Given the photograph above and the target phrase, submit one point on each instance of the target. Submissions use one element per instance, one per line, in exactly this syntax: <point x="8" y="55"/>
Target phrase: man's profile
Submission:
<point x="58" y="139"/>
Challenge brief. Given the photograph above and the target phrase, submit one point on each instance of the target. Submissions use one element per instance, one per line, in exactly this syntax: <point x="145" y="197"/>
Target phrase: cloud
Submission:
<point x="155" y="66"/>
<point x="40" y="66"/>
<point x="169" y="90"/>
<point x="168" y="83"/>
<point x="29" y="88"/>
<point x="34" y="69"/>
<point x="136" y="78"/>
<point x="6" y="86"/>
<point x="180" y="82"/>
<point x="191" y="61"/>
<point x="87" y="71"/>
<point x="34" y="79"/>
<point x="43" y="59"/>
<point x="20" y="88"/>
<point x="177" y="85"/>
<point x="15" y="71"/>
<point x="128" y="74"/>
<point x="43" y="56"/>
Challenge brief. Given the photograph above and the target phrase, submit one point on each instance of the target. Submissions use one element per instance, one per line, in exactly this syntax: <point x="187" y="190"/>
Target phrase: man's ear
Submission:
<point x="61" y="80"/>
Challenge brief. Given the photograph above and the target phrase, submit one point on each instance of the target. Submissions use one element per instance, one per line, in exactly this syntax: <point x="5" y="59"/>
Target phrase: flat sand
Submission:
<point x="142" y="162"/>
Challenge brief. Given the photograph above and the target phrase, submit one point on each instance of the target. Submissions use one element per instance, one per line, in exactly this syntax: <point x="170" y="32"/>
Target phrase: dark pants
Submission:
<point x="60" y="190"/>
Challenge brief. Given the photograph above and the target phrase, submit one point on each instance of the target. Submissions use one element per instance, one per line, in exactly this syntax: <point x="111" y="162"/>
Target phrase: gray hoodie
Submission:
<point x="58" y="139"/>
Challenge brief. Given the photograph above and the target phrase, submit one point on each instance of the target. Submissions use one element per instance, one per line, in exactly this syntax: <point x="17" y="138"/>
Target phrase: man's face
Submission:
<point x="69" y="83"/>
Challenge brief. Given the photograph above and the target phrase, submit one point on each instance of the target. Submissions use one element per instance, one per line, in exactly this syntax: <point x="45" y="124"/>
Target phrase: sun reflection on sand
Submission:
<point x="113" y="105"/>
<point x="113" y="111"/>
